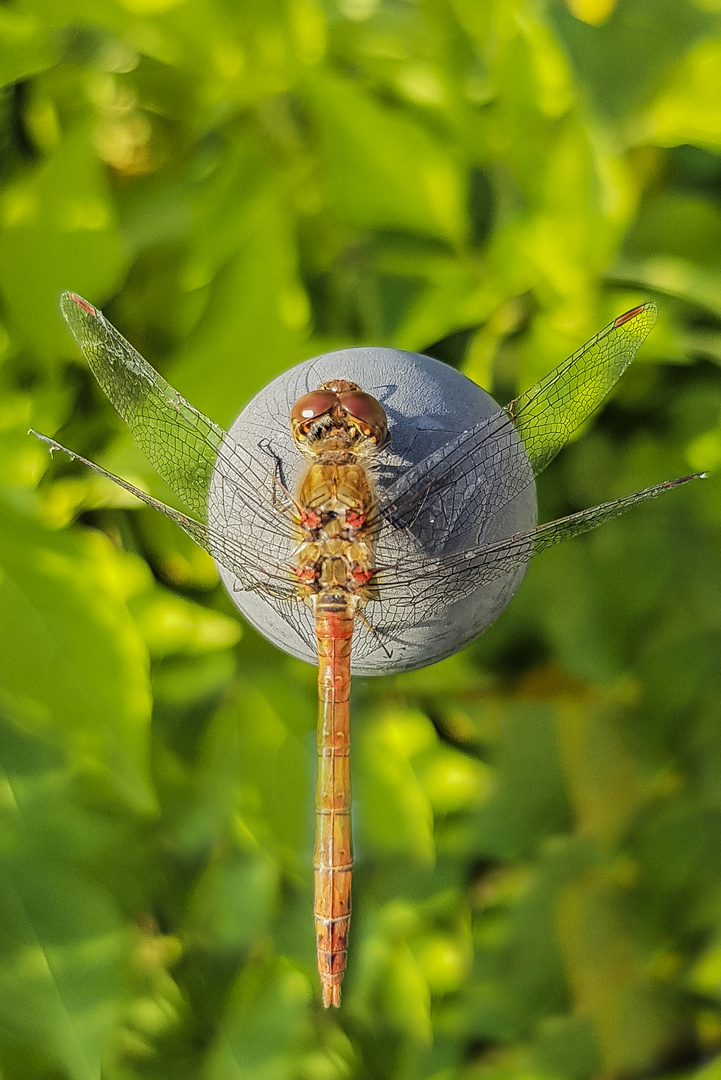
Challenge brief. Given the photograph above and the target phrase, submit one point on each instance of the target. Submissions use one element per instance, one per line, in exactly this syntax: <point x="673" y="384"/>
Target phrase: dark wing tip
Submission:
<point x="649" y="308"/>
<point x="685" y="479"/>
<point x="70" y="300"/>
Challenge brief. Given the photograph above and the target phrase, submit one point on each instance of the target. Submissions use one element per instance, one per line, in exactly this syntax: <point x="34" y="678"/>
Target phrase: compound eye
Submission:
<point x="310" y="407"/>
<point x="368" y="410"/>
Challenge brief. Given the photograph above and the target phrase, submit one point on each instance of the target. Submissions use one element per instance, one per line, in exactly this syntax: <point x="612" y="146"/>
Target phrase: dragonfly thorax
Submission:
<point x="336" y="496"/>
<point x="335" y="529"/>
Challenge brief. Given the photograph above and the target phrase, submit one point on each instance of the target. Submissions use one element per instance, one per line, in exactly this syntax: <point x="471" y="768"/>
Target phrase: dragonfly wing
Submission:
<point x="274" y="580"/>
<point x="483" y="469"/>
<point x="585" y="520"/>
<point x="546" y="415"/>
<point x="467" y="481"/>
<point x="237" y="495"/>
<point x="458" y="574"/>
<point x="182" y="444"/>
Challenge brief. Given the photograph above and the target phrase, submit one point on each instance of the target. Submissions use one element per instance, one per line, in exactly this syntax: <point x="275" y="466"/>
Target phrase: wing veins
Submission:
<point x="444" y="468"/>
<point x="465" y="571"/>
<point x="222" y="547"/>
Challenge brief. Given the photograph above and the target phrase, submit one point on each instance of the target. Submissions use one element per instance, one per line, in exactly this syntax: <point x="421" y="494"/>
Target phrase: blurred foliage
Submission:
<point x="537" y="820"/>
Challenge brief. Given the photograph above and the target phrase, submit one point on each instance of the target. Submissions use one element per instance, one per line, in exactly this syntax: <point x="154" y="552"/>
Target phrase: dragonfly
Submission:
<point x="349" y="548"/>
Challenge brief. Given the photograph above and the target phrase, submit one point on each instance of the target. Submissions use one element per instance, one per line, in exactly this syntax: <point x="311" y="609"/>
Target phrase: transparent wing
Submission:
<point x="241" y="513"/>
<point x="181" y="443"/>
<point x="462" y="572"/>
<point x="253" y="571"/>
<point x="482" y="470"/>
<point x="273" y="578"/>
<point x="547" y="414"/>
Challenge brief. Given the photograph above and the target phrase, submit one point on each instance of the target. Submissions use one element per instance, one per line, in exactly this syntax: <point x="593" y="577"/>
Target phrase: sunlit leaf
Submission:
<point x="25" y="46"/>
<point x="688" y="111"/>
<point x="263" y="1023"/>
<point x="59" y="218"/>
<point x="394" y="810"/>
<point x="65" y="945"/>
<point x="75" y="667"/>
<point x="370" y="153"/>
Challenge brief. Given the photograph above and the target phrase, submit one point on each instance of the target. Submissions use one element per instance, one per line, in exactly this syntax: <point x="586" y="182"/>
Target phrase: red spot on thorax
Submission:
<point x="361" y="575"/>
<point x="354" y="519"/>
<point x="311" y="519"/>
<point x="306" y="573"/>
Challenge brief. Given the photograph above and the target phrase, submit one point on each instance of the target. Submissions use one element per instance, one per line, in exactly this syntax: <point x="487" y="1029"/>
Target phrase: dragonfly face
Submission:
<point x="338" y="407"/>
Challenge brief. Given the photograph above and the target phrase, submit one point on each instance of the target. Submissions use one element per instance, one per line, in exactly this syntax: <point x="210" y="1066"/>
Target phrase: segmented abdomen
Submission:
<point x="333" y="856"/>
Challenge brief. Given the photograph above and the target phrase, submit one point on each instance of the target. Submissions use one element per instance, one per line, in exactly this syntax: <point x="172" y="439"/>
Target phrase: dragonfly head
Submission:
<point x="338" y="416"/>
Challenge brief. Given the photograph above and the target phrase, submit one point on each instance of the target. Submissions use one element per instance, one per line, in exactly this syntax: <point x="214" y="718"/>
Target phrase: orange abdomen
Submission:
<point x="333" y="856"/>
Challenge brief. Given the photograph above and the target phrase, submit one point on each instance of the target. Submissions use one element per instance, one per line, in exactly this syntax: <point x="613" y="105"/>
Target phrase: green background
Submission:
<point x="538" y="819"/>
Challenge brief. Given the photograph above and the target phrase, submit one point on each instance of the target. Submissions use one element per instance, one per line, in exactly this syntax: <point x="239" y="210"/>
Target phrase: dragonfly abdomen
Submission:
<point x="333" y="856"/>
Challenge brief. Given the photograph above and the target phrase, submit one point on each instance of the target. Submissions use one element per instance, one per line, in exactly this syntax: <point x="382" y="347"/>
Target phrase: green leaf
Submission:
<point x="263" y="1024"/>
<point x="673" y="247"/>
<point x="59" y="218"/>
<point x="254" y="324"/>
<point x="171" y="624"/>
<point x="25" y="46"/>
<point x="624" y="62"/>
<point x="394" y="811"/>
<point x="382" y="169"/>
<point x="74" y="664"/>
<point x="64" y="947"/>
<point x="688" y="110"/>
